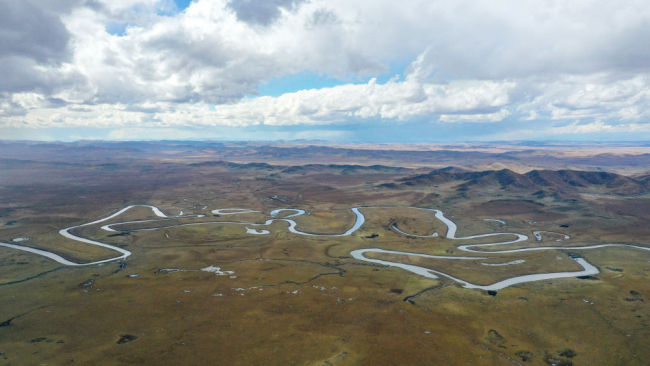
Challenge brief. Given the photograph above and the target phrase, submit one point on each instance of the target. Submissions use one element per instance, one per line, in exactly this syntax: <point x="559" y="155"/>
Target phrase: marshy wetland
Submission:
<point x="208" y="262"/>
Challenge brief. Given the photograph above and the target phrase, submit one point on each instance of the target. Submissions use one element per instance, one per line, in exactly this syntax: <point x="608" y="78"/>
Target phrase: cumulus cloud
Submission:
<point x="394" y="100"/>
<point x="27" y="30"/>
<point x="469" y="61"/>
<point x="592" y="97"/>
<point x="33" y="45"/>
<point x="398" y="99"/>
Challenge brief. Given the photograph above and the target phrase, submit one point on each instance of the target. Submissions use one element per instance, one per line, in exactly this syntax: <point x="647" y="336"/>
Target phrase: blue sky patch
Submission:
<point x="116" y="28"/>
<point x="313" y="80"/>
<point x="182" y="4"/>
<point x="296" y="82"/>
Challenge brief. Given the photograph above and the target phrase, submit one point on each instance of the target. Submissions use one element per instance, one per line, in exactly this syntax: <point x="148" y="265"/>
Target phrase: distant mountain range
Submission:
<point x="541" y="180"/>
<point x="623" y="160"/>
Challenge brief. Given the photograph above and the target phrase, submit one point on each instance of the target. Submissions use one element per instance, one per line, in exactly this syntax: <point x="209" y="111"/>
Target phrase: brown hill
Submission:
<point x="548" y="180"/>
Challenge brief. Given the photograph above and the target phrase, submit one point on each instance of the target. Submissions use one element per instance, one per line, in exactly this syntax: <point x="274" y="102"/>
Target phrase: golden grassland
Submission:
<point x="298" y="300"/>
<point x="357" y="317"/>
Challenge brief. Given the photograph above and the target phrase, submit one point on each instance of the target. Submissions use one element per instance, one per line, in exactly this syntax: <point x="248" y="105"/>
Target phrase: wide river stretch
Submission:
<point x="485" y="249"/>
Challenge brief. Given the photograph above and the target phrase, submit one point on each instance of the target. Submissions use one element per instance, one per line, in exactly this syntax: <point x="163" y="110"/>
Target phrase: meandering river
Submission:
<point x="485" y="249"/>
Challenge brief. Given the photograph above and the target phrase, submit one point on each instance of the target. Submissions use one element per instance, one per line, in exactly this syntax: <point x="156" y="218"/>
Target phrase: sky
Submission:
<point x="337" y="70"/>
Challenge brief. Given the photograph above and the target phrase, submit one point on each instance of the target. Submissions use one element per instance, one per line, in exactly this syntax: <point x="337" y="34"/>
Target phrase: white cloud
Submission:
<point x="591" y="97"/>
<point x="470" y="62"/>
<point x="478" y="117"/>
<point x="576" y="128"/>
<point x="395" y="99"/>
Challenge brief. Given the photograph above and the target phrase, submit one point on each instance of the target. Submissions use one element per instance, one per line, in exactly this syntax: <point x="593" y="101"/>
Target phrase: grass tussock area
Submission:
<point x="213" y="293"/>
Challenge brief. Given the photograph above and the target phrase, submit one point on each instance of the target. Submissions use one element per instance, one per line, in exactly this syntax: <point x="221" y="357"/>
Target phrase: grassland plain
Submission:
<point x="302" y="300"/>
